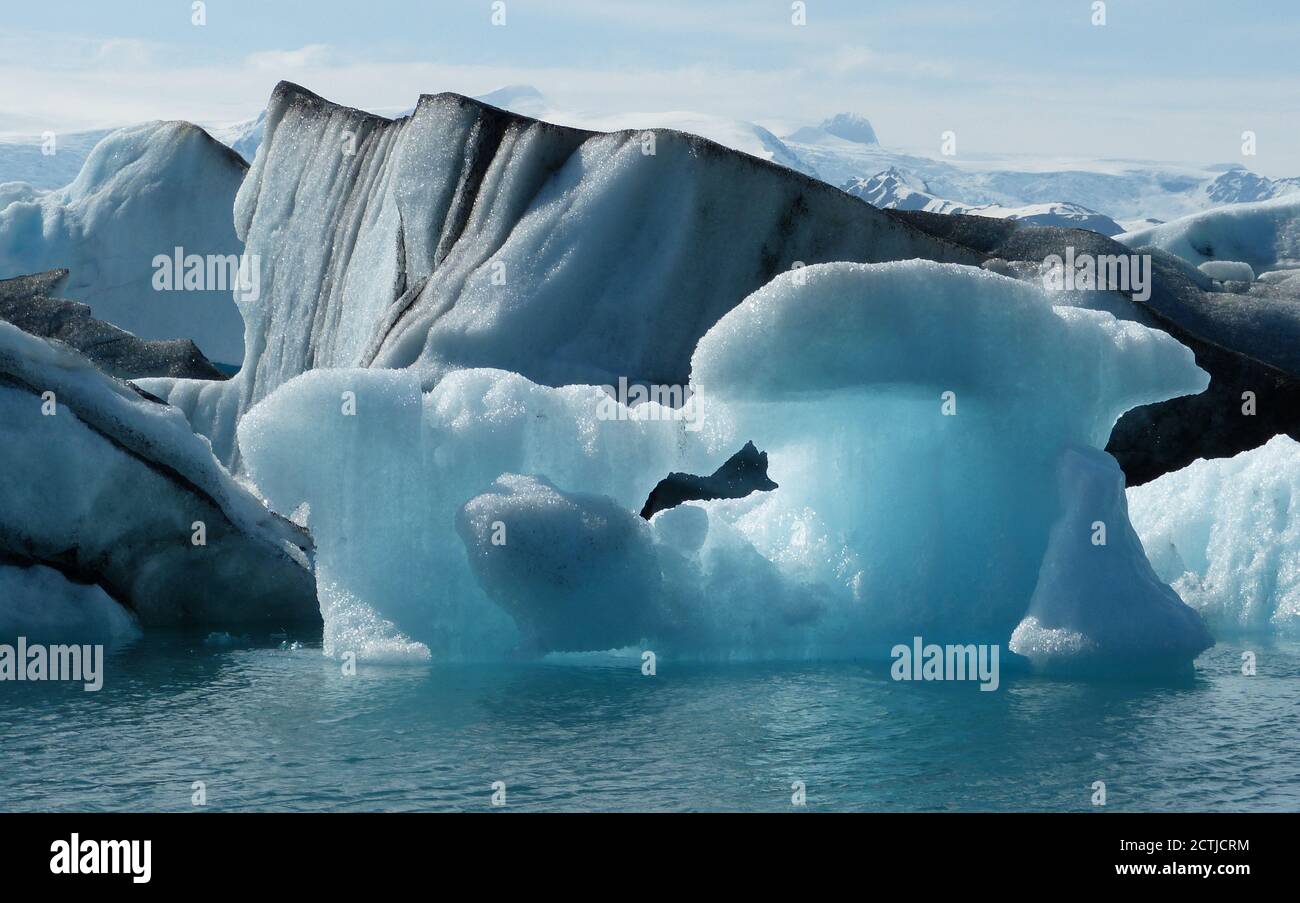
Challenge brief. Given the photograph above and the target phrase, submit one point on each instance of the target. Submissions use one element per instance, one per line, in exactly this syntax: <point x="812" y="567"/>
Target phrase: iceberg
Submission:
<point x="391" y="468"/>
<point x="142" y="192"/>
<point x="916" y="417"/>
<point x="1265" y="235"/>
<point x="1226" y="535"/>
<point x="79" y="451"/>
<point x="464" y="236"/>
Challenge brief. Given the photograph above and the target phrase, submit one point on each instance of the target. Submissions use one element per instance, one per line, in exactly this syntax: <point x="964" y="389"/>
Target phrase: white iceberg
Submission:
<point x="143" y="192"/>
<point x="1226" y="534"/>
<point x="1265" y="235"/>
<point x="109" y="486"/>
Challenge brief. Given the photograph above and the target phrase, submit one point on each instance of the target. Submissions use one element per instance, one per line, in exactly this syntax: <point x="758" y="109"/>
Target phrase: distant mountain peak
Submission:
<point x="523" y="99"/>
<point x="850" y="127"/>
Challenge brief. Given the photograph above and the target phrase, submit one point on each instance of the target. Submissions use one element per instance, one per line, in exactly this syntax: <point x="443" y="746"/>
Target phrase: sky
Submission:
<point x="1169" y="80"/>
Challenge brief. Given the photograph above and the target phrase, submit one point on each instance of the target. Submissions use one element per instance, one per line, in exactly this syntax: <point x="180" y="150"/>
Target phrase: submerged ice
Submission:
<point x="918" y="419"/>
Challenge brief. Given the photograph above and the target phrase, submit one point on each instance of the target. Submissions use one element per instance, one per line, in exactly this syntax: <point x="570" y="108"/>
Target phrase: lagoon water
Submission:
<point x="279" y="727"/>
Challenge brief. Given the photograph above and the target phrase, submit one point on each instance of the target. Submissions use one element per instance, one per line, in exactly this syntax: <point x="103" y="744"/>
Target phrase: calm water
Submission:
<point x="283" y="728"/>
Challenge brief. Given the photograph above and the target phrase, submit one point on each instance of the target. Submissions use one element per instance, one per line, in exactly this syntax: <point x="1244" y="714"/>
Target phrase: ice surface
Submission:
<point x="44" y="606"/>
<point x="891" y="519"/>
<point x="1226" y="534"/>
<point x="106" y="484"/>
<point x="142" y="192"/>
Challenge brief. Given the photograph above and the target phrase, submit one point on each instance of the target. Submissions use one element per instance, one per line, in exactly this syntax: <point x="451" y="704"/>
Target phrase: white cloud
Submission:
<point x="284" y="61"/>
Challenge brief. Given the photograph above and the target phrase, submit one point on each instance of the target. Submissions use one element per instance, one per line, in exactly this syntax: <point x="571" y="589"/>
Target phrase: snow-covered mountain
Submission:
<point x="1126" y="191"/>
<point x="840" y="129"/>
<point x="242" y="137"/>
<point x="895" y="190"/>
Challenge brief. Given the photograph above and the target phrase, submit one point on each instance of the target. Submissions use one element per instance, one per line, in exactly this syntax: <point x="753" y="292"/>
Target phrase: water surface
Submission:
<point x="271" y="728"/>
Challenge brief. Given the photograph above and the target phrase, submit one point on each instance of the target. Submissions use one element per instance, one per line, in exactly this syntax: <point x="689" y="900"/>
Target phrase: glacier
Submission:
<point x="142" y="192"/>
<point x="490" y="514"/>
<point x="1226" y="534"/>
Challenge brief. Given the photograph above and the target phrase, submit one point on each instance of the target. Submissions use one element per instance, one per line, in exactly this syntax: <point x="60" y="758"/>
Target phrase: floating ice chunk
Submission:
<point x="385" y="483"/>
<point x="28" y="302"/>
<point x="1226" y="534"/>
<point x="1228" y="270"/>
<point x="1097" y="596"/>
<point x="46" y="607"/>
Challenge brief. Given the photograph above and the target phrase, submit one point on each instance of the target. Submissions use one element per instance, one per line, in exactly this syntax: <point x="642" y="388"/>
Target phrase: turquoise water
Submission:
<point x="270" y="728"/>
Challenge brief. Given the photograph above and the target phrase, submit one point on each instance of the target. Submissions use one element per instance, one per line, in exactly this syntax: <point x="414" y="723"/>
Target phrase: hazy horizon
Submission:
<point x="1009" y="78"/>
